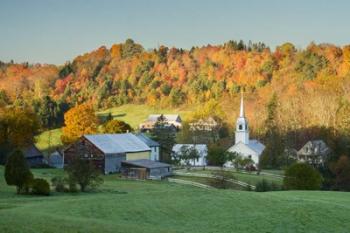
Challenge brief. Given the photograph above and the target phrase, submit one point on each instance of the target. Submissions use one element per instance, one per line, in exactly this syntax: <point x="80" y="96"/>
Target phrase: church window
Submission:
<point x="240" y="127"/>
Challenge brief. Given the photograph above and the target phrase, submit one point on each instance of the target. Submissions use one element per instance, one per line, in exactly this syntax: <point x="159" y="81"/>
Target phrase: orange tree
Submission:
<point x="78" y="121"/>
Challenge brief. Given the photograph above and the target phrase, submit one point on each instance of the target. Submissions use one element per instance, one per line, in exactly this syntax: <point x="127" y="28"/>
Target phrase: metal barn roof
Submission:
<point x="147" y="140"/>
<point x="146" y="163"/>
<point x="117" y="143"/>
<point x="32" y="151"/>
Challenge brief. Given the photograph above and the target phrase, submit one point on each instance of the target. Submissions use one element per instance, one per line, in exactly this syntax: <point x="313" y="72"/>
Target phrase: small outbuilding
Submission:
<point x="33" y="156"/>
<point x="55" y="159"/>
<point x="171" y="120"/>
<point x="145" y="169"/>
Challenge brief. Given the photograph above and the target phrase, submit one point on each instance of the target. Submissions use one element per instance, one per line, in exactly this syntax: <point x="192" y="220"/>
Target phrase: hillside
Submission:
<point x="133" y="114"/>
<point x="312" y="84"/>
<point x="146" y="206"/>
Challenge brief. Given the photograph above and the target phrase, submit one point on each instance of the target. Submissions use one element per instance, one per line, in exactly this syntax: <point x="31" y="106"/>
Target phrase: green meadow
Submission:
<point x="158" y="206"/>
<point x="133" y="114"/>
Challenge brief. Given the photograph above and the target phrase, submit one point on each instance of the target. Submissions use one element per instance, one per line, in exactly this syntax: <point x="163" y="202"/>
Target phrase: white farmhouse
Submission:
<point x="201" y="149"/>
<point x="249" y="148"/>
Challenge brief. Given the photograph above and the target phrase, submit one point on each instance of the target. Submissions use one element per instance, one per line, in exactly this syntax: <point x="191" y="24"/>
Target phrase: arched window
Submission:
<point x="240" y="127"/>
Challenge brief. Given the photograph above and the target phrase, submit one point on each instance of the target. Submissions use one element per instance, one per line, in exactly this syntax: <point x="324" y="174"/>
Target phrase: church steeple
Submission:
<point x="241" y="113"/>
<point x="242" y="129"/>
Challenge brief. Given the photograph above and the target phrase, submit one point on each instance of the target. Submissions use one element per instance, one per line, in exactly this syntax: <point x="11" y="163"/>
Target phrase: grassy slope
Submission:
<point x="42" y="140"/>
<point x="130" y="113"/>
<point x="251" y="178"/>
<point x="135" y="114"/>
<point x="132" y="206"/>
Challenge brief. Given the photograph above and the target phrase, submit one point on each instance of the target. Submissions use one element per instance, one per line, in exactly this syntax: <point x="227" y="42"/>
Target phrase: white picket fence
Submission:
<point x="243" y="184"/>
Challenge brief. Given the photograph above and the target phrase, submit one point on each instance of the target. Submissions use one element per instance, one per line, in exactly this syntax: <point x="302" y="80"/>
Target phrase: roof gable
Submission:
<point x="315" y="147"/>
<point x="254" y="146"/>
<point x="32" y="151"/>
<point x="147" y="140"/>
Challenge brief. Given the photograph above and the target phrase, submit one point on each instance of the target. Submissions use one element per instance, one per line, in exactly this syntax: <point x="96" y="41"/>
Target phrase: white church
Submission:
<point x="250" y="148"/>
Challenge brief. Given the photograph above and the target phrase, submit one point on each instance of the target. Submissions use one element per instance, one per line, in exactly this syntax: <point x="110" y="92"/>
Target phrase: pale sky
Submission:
<point x="55" y="31"/>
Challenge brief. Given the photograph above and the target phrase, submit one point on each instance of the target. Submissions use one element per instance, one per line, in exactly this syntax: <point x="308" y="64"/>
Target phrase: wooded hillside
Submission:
<point x="312" y="85"/>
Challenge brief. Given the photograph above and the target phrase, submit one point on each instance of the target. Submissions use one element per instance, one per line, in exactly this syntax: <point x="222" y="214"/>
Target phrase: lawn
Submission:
<point x="250" y="178"/>
<point x="154" y="206"/>
<point x="49" y="139"/>
<point x="135" y="114"/>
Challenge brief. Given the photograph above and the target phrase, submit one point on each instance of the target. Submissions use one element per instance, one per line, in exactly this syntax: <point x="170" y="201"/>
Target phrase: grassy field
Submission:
<point x="133" y="114"/>
<point x="44" y="143"/>
<point x="154" y="206"/>
<point x="250" y="178"/>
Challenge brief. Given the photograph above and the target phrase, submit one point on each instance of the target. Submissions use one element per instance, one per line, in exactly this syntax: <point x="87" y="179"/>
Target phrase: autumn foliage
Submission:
<point x="78" y="121"/>
<point x="312" y="85"/>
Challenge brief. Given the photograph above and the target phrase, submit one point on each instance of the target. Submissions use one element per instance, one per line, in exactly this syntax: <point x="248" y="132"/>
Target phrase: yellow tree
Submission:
<point x="17" y="129"/>
<point x="78" y="121"/>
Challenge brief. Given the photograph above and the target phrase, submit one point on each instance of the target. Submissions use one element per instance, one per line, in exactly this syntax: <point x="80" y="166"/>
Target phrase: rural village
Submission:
<point x="182" y="116"/>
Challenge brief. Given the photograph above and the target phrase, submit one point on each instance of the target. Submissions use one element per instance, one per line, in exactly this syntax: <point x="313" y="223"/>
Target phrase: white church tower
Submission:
<point x="242" y="129"/>
<point x="244" y="146"/>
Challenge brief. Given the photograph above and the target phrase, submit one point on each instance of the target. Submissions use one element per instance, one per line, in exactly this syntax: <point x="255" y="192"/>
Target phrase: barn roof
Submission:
<point x="32" y="151"/>
<point x="147" y="140"/>
<point x="117" y="143"/>
<point x="146" y="163"/>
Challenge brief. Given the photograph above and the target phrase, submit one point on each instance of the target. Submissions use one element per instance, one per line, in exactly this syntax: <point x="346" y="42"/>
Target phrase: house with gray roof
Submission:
<point x="173" y="120"/>
<point x="314" y="152"/>
<point x="107" y="151"/>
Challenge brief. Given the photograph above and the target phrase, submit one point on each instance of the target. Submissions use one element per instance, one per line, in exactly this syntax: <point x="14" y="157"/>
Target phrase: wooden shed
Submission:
<point x="145" y="169"/>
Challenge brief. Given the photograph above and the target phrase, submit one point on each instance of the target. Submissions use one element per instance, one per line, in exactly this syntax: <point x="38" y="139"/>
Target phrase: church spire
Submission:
<point x="241" y="113"/>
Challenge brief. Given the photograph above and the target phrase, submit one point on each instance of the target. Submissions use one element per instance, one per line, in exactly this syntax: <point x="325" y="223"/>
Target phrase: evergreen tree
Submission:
<point x="273" y="154"/>
<point x="165" y="135"/>
<point x="47" y="112"/>
<point x="17" y="172"/>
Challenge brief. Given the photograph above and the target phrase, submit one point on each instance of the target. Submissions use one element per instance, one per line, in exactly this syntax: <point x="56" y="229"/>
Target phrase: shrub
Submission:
<point x="72" y="186"/>
<point x="59" y="183"/>
<point x="301" y="176"/>
<point x="17" y="172"/>
<point x="40" y="187"/>
<point x="84" y="173"/>
<point x="341" y="170"/>
<point x="265" y="186"/>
